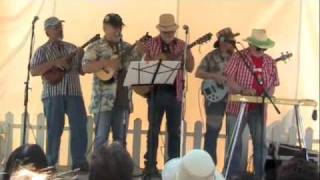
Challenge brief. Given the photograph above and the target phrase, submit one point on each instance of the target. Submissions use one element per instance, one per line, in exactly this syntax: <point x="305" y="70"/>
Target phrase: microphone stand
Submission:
<point x="264" y="96"/>
<point x="27" y="88"/>
<point x="184" y="91"/>
<point x="124" y="120"/>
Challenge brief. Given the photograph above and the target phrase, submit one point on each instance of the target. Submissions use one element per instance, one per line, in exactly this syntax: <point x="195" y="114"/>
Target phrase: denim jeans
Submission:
<point x="55" y="108"/>
<point x="117" y="120"/>
<point x="254" y="120"/>
<point x="214" y="113"/>
<point x="213" y="126"/>
<point x="163" y="101"/>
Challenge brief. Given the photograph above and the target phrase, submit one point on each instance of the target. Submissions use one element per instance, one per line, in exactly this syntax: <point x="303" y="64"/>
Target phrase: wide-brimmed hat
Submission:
<point x="167" y="23"/>
<point x="195" y="165"/>
<point x="225" y="35"/>
<point x="260" y="39"/>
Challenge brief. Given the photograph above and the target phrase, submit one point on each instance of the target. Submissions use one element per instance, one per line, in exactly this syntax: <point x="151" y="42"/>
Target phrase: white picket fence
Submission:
<point x="7" y="136"/>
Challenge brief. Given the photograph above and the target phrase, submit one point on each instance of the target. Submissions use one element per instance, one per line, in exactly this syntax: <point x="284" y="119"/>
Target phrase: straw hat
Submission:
<point x="260" y="39"/>
<point x="195" y="165"/>
<point x="167" y="23"/>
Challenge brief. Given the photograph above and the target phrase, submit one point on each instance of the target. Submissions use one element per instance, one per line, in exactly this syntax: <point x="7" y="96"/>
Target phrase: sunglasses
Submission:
<point x="56" y="27"/>
<point x="168" y="32"/>
<point x="260" y="49"/>
<point x="232" y="42"/>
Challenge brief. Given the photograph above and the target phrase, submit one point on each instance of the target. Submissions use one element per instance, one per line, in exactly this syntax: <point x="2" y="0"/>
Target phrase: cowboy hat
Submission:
<point x="167" y="23"/>
<point x="225" y="35"/>
<point x="260" y="39"/>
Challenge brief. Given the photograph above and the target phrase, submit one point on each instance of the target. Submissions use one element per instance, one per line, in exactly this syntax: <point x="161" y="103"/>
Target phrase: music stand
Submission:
<point x="141" y="73"/>
<point x="148" y="73"/>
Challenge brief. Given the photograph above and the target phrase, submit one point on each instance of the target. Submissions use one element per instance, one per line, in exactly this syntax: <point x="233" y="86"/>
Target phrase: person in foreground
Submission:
<point x="195" y="165"/>
<point x="111" y="162"/>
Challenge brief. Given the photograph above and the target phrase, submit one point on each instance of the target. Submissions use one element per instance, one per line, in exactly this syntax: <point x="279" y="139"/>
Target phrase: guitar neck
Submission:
<point x="85" y="44"/>
<point x="72" y="54"/>
<point x="283" y="57"/>
<point x="278" y="59"/>
<point x="191" y="45"/>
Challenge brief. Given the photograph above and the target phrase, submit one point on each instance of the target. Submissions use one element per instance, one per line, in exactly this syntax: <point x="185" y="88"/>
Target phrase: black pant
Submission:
<point x="163" y="100"/>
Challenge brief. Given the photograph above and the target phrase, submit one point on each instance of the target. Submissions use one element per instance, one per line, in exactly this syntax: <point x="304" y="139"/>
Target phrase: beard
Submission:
<point x="230" y="51"/>
<point x="60" y="37"/>
<point x="167" y="40"/>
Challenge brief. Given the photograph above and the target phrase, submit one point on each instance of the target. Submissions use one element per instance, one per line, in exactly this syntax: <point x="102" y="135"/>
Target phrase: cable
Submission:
<point x="199" y="105"/>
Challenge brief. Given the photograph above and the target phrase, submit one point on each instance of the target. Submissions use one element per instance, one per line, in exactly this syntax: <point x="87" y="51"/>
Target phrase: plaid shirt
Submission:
<point x="236" y="70"/>
<point x="70" y="84"/>
<point x="154" y="49"/>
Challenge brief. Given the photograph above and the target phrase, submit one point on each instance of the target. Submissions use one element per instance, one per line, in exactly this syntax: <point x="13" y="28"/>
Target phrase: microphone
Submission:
<point x="35" y="19"/>
<point x="186" y="28"/>
<point x="314" y="115"/>
<point x="120" y="43"/>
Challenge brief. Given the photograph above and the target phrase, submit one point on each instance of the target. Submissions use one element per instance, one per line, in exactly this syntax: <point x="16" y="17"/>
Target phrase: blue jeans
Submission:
<point x="214" y="114"/>
<point x="213" y="124"/>
<point x="163" y="101"/>
<point x="254" y="119"/>
<point x="117" y="120"/>
<point x="55" y="108"/>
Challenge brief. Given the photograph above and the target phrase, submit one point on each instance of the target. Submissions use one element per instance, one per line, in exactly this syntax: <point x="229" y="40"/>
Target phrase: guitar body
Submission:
<point x="212" y="91"/>
<point x="145" y="90"/>
<point x="54" y="75"/>
<point x="105" y="74"/>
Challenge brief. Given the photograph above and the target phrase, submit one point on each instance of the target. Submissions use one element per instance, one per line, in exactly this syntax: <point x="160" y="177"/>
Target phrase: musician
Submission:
<point x="165" y="98"/>
<point x="241" y="81"/>
<point x="64" y="97"/>
<point x="110" y="99"/>
<point x="211" y="67"/>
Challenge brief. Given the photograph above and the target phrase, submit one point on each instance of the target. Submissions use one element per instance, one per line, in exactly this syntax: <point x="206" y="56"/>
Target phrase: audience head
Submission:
<point x="111" y="162"/>
<point x="298" y="169"/>
<point x="30" y="155"/>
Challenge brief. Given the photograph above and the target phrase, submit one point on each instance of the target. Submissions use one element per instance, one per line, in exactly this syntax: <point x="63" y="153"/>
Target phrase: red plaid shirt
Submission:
<point x="236" y="70"/>
<point x="153" y="51"/>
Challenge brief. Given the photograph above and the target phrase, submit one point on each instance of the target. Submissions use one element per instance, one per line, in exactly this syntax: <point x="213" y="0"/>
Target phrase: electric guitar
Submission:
<point x="214" y="92"/>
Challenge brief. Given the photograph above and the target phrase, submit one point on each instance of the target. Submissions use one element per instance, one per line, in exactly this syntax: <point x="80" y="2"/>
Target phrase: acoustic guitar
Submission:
<point x="145" y="90"/>
<point x="55" y="75"/>
<point x="107" y="74"/>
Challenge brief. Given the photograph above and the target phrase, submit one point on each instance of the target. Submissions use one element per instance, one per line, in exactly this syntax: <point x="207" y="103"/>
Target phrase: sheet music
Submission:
<point x="142" y="72"/>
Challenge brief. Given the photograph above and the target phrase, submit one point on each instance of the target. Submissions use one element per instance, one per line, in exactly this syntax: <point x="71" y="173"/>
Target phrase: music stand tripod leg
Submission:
<point x="234" y="138"/>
